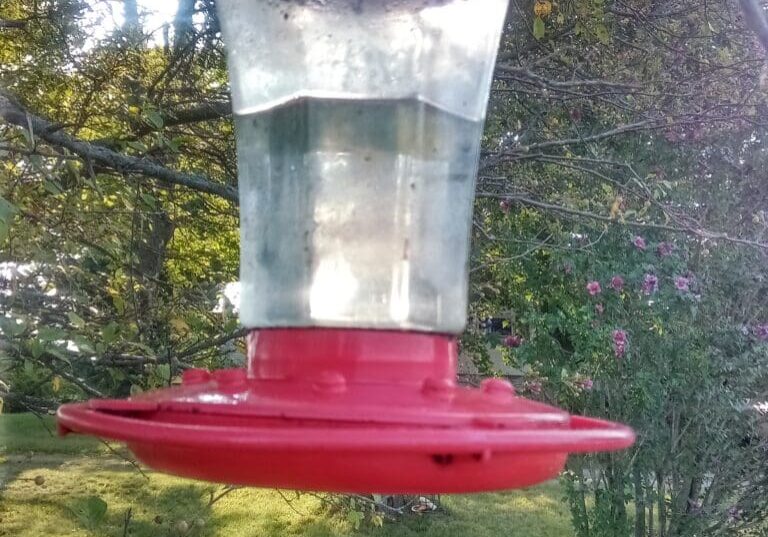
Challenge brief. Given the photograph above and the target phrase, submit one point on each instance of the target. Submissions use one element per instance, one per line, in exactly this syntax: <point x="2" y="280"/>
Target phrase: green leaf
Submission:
<point x="116" y="374"/>
<point x="50" y="333"/>
<point x="76" y="320"/>
<point x="96" y="508"/>
<point x="109" y="332"/>
<point x="602" y="34"/>
<point x="11" y="327"/>
<point x="355" y="518"/>
<point x="35" y="348"/>
<point x="154" y="119"/>
<point x="90" y="512"/>
<point x="164" y="372"/>
<point x="83" y="344"/>
<point x="119" y="304"/>
<point x="149" y="200"/>
<point x="52" y="187"/>
<point x="7" y="210"/>
<point x="138" y="146"/>
<point x="59" y="353"/>
<point x="538" y="28"/>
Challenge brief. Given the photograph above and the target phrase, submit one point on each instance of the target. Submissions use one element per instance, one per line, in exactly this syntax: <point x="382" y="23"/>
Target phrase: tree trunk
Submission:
<point x="686" y="504"/>
<point x="662" y="505"/>
<point x="579" y="507"/>
<point x="182" y="24"/>
<point x="650" y="513"/>
<point x="616" y="494"/>
<point x="637" y="477"/>
<point x="151" y="237"/>
<point x="130" y="15"/>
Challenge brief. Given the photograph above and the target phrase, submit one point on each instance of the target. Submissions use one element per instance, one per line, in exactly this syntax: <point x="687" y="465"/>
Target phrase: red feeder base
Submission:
<point x="346" y="411"/>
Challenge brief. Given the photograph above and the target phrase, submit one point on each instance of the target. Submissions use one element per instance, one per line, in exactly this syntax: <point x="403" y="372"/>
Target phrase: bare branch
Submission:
<point x="12" y="24"/>
<point x="202" y="112"/>
<point x="701" y="233"/>
<point x="215" y="342"/>
<point x="12" y="112"/>
<point x="527" y="75"/>
<point x="87" y="388"/>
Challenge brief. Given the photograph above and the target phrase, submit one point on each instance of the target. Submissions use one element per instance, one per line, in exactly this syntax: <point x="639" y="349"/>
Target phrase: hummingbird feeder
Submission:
<point x="358" y="128"/>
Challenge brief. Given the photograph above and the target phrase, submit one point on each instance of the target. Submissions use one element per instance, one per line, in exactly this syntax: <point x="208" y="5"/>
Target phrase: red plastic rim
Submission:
<point x="333" y="416"/>
<point x="583" y="435"/>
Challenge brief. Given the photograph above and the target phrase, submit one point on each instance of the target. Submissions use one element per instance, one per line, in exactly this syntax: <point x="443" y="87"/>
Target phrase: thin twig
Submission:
<point x="126" y="459"/>
<point x="227" y="489"/>
<point x="127" y="521"/>
<point x="701" y="233"/>
<point x="289" y="503"/>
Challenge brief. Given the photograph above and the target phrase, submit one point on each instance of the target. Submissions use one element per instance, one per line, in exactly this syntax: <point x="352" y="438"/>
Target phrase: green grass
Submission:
<point x="68" y="474"/>
<point x="25" y="433"/>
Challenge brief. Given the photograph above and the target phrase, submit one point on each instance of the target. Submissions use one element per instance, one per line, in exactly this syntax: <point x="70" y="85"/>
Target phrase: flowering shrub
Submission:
<point x="673" y="355"/>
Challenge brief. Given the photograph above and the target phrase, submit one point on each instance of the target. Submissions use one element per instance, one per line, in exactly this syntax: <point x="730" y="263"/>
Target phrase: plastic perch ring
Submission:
<point x="346" y="411"/>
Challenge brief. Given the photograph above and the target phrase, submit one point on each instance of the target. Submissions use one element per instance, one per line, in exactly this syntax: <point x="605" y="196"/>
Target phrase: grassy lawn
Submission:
<point x="46" y="481"/>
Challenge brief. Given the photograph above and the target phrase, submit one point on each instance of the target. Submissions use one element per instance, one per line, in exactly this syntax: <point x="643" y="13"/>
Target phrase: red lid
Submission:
<point x="346" y="410"/>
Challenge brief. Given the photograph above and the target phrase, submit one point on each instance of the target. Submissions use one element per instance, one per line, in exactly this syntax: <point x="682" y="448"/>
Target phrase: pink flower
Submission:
<point x="682" y="283"/>
<point x="639" y="242"/>
<point x="593" y="288"/>
<point x="513" y="341"/>
<point x="599" y="308"/>
<point x="619" y="342"/>
<point x="575" y="114"/>
<point x="761" y="331"/>
<point x="664" y="249"/>
<point x="505" y="206"/>
<point x="617" y="283"/>
<point x="735" y="514"/>
<point x="584" y="384"/>
<point x="533" y="386"/>
<point x="650" y="284"/>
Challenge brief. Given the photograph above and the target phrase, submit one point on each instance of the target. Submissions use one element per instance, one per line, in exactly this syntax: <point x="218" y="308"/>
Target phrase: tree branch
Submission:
<point x="12" y="24"/>
<point x="701" y="233"/>
<point x="215" y="342"/>
<point x="12" y="112"/>
<point x="203" y="112"/>
<point x="526" y="75"/>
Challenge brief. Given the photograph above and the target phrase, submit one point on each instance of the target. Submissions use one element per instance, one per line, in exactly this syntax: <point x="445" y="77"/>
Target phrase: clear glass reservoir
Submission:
<point x="358" y="129"/>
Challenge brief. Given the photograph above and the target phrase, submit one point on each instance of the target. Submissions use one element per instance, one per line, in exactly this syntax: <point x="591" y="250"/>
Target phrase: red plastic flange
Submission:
<point x="346" y="410"/>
